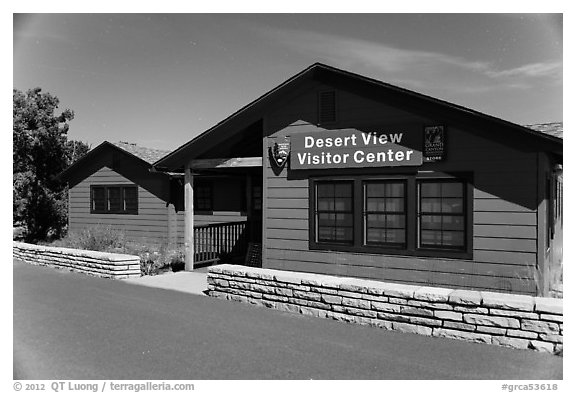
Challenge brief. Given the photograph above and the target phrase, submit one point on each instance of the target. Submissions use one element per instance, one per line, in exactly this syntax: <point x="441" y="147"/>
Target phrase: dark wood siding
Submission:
<point x="504" y="206"/>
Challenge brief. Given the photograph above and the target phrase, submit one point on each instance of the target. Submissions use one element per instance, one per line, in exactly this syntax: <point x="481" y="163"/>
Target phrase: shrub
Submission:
<point x="97" y="238"/>
<point x="153" y="258"/>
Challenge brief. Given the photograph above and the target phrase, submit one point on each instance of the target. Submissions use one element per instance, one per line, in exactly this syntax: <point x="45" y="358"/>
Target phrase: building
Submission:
<point x="351" y="176"/>
<point x="114" y="186"/>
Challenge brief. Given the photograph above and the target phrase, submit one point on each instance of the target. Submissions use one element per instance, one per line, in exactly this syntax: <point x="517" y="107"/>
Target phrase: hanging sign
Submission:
<point x="434" y="143"/>
<point x="351" y="148"/>
<point x="279" y="152"/>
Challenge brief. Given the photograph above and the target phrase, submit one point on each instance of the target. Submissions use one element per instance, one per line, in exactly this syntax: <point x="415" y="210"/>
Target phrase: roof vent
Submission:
<point x="326" y="107"/>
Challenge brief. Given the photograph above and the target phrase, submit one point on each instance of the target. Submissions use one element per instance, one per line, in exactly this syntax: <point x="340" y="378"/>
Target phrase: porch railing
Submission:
<point x="217" y="242"/>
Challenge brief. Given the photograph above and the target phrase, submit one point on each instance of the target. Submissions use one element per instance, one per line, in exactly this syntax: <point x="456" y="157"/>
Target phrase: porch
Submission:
<point x="229" y="242"/>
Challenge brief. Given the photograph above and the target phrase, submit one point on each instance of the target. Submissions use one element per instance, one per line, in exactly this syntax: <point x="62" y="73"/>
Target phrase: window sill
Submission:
<point x="373" y="250"/>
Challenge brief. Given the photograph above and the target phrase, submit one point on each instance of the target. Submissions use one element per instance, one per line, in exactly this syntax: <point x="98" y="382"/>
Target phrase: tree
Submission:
<point x="41" y="151"/>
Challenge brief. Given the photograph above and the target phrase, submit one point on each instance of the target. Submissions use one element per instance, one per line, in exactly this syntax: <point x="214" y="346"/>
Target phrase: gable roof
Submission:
<point x="143" y="155"/>
<point x="553" y="129"/>
<point x="379" y="90"/>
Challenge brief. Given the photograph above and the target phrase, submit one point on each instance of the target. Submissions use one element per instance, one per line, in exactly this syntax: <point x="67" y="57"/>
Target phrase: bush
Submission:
<point x="98" y="238"/>
<point x="154" y="258"/>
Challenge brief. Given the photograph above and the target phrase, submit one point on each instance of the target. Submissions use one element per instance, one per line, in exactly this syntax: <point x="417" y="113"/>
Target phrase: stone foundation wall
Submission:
<point x="517" y="321"/>
<point x="96" y="263"/>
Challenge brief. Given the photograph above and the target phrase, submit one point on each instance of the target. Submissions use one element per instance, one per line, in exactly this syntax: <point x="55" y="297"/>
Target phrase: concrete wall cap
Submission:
<point x="508" y="301"/>
<point x="549" y="305"/>
<point x="433" y="294"/>
<point x="461" y="296"/>
<point x="107" y="256"/>
<point x="393" y="289"/>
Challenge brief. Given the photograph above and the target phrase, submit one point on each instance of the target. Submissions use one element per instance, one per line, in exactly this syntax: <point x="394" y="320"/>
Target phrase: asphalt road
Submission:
<point x="72" y="326"/>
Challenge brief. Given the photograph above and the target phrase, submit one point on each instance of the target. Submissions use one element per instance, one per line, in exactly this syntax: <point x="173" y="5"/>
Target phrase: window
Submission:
<point x="334" y="212"/>
<point x="408" y="215"/>
<point x="385" y="213"/>
<point x="203" y="197"/>
<point x="114" y="199"/>
<point x="441" y="215"/>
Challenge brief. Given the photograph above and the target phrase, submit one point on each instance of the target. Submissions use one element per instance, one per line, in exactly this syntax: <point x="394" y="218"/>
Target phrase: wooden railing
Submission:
<point x="217" y="242"/>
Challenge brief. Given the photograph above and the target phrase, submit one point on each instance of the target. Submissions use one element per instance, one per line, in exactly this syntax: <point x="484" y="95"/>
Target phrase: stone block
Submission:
<point x="393" y="317"/>
<point x="392" y="289"/>
<point x="433" y="294"/>
<point x="269" y="303"/>
<point x="221" y="283"/>
<point x="459" y="326"/>
<point x="381" y="324"/>
<point x="256" y="302"/>
<point x="361" y="312"/>
<point x="376" y="298"/>
<point x="507" y="301"/>
<point x="363" y="321"/>
<point x="553" y="338"/>
<point x="410" y="328"/>
<point x="552" y="317"/>
<point x="465" y="297"/>
<point x="386" y="307"/>
<point x="319" y="305"/>
<point x="512" y="313"/>
<point x="284" y="292"/>
<point x="304" y="288"/>
<point x="355" y="295"/>
<point x="289" y="277"/>
<point x="491" y="330"/>
<point x="287" y="307"/>
<point x="487" y="320"/>
<point x="541" y="346"/>
<point x="511" y="342"/>
<point x="308" y="295"/>
<point x="329" y="291"/>
<point x="475" y="310"/>
<point x="239" y="285"/>
<point x="549" y="305"/>
<point x="425" y="321"/>
<point x="358" y="287"/>
<point x="396" y="300"/>
<point x="314" y="312"/>
<point x="343" y="317"/>
<point x="331" y="299"/>
<point x="417" y="311"/>
<point x="358" y="303"/>
<point x="540" y="326"/>
<point x="521" y="333"/>
<point x="448" y="315"/>
<point x="435" y="306"/>
<point x="460" y="335"/>
<point x="275" y="298"/>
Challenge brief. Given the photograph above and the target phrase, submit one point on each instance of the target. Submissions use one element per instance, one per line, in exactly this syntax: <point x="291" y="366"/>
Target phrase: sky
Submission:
<point x="159" y="80"/>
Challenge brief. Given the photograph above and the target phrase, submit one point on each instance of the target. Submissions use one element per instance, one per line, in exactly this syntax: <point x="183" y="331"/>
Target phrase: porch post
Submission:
<point x="189" y="217"/>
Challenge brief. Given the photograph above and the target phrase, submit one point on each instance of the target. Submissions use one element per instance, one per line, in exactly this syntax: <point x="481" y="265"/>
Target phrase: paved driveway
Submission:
<point x="71" y="326"/>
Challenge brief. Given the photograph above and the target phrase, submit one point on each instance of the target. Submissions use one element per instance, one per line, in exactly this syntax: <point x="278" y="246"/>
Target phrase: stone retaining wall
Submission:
<point x="96" y="263"/>
<point x="517" y="321"/>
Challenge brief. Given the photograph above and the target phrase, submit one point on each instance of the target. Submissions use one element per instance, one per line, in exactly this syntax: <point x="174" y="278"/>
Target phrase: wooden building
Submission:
<point x="365" y="179"/>
<point x="114" y="186"/>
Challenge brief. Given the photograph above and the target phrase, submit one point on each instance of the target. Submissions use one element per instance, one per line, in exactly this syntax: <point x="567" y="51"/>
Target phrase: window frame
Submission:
<point x="366" y="212"/>
<point x="420" y="214"/>
<point x="412" y="219"/>
<point x="107" y="210"/>
<point x="353" y="211"/>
